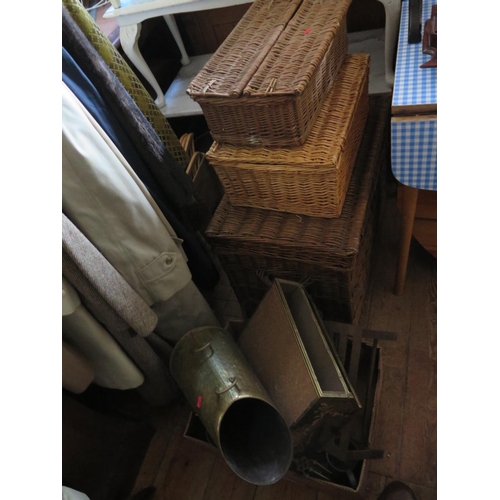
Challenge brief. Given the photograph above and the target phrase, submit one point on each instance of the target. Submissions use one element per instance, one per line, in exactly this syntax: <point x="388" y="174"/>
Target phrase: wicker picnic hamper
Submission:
<point x="311" y="179"/>
<point x="329" y="256"/>
<point x="266" y="83"/>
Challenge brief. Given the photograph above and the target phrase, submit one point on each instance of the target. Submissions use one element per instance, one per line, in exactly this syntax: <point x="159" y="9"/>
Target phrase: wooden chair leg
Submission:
<point x="409" y="205"/>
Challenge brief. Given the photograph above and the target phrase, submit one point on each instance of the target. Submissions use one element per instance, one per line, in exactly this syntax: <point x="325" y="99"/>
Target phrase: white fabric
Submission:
<point x="71" y="494"/>
<point x="134" y="176"/>
<point x="112" y="367"/>
<point x="103" y="200"/>
<point x="70" y="298"/>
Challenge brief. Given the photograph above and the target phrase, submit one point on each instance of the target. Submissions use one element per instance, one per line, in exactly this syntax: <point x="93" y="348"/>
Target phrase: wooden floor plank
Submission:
<point x="385" y="241"/>
<point x="419" y="457"/>
<point x="185" y="470"/>
<point x="388" y="423"/>
<point x="224" y="484"/>
<point x="391" y="313"/>
<point x="164" y="420"/>
<point x="285" y="490"/>
<point x="375" y="484"/>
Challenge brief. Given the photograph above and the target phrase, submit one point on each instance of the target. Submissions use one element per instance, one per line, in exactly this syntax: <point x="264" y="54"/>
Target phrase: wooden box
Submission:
<point x="196" y="432"/>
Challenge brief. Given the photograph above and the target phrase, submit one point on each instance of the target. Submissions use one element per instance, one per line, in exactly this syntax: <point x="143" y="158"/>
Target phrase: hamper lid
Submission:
<point x="233" y="64"/>
<point x="311" y="238"/>
<point x="328" y="135"/>
<point x="300" y="49"/>
<point x="274" y="49"/>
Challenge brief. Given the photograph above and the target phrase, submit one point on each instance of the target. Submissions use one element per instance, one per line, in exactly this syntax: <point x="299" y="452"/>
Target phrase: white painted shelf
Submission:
<point x="178" y="102"/>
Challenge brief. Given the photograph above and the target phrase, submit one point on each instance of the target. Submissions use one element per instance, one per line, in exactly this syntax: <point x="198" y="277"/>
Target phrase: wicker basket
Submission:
<point x="329" y="256"/>
<point x="311" y="179"/>
<point x="265" y="84"/>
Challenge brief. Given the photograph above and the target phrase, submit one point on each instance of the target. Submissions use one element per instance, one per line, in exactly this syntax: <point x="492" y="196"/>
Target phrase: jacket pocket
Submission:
<point x="163" y="264"/>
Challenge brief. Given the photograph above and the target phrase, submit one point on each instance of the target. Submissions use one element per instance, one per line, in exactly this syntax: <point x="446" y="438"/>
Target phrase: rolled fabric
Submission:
<point x="118" y="305"/>
<point x="77" y="372"/>
<point x="112" y="367"/>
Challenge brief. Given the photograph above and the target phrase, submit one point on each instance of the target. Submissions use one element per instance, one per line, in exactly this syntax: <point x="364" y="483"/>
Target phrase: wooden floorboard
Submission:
<point x="419" y="460"/>
<point x="390" y="313"/>
<point x="375" y="483"/>
<point x="185" y="470"/>
<point x="286" y="490"/>
<point x="224" y="484"/>
<point x="165" y="424"/>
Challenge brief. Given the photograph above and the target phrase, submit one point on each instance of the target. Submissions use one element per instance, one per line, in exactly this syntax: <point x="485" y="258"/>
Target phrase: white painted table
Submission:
<point x="129" y="15"/>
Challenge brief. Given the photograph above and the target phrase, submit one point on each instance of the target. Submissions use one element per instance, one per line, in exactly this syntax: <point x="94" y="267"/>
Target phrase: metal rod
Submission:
<point x="351" y="330"/>
<point x="368" y="398"/>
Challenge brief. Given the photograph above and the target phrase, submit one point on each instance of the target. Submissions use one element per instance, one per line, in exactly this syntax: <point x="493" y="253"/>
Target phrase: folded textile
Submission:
<point x="119" y="306"/>
<point x="77" y="372"/>
<point x="112" y="367"/>
<point x="159" y="388"/>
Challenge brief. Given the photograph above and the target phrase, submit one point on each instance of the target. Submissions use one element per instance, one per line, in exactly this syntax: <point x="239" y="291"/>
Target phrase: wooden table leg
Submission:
<point x="392" y="20"/>
<point x="408" y="208"/>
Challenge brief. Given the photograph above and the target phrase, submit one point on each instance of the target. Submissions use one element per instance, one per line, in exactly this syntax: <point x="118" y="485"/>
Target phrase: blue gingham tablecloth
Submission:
<point x="414" y="152"/>
<point x="413" y="85"/>
<point x="414" y="138"/>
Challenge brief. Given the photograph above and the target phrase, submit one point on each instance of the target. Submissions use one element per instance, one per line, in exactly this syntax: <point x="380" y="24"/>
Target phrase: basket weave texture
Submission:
<point x="265" y="84"/>
<point x="311" y="179"/>
<point x="329" y="256"/>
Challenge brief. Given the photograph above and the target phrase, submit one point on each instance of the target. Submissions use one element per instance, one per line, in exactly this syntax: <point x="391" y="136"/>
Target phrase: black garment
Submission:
<point x="203" y="270"/>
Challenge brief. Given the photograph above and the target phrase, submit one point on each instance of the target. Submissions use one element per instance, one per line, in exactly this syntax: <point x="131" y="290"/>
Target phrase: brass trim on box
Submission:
<point x="348" y="390"/>
<point x="288" y="351"/>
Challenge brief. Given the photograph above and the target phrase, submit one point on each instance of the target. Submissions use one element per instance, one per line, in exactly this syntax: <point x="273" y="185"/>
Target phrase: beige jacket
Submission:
<point x="107" y="204"/>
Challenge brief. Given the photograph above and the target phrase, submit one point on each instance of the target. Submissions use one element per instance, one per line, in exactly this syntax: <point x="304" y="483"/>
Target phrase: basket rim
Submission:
<point x="378" y="117"/>
<point x="289" y="23"/>
<point x="356" y="66"/>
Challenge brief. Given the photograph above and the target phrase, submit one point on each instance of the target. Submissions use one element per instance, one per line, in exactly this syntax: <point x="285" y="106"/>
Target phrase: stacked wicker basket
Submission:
<point x="287" y="108"/>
